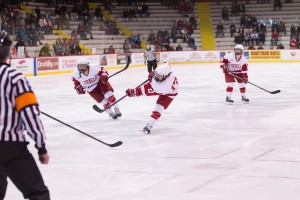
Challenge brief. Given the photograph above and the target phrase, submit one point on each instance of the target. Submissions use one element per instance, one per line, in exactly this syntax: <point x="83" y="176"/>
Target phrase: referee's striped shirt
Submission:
<point x="19" y="110"/>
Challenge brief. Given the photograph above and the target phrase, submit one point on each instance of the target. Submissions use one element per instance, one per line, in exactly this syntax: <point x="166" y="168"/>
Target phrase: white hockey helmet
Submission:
<point x="152" y="47"/>
<point x="239" y="46"/>
<point x="238" y="49"/>
<point x="162" y="72"/>
<point x="82" y="64"/>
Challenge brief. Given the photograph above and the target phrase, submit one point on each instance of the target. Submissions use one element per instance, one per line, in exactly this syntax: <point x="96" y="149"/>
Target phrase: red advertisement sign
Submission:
<point x="45" y="64"/>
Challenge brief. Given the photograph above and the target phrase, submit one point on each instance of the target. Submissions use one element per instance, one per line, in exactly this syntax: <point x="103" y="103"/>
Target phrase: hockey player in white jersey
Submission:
<point x="162" y="83"/>
<point x="93" y="79"/>
<point x="235" y="63"/>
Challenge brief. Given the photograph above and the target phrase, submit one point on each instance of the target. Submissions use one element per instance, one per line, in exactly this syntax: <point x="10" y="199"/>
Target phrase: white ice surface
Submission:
<point x="201" y="149"/>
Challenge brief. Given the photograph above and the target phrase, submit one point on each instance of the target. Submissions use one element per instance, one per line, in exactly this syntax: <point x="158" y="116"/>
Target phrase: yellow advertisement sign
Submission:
<point x="265" y="55"/>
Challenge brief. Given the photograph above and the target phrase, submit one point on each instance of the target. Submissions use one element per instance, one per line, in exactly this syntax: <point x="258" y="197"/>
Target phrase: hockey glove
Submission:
<point x="245" y="77"/>
<point x="225" y="68"/>
<point x="134" y="92"/>
<point x="151" y="74"/>
<point x="79" y="89"/>
<point x="104" y="78"/>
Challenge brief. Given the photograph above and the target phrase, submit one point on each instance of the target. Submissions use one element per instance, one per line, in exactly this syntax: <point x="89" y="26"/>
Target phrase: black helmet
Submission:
<point x="5" y="44"/>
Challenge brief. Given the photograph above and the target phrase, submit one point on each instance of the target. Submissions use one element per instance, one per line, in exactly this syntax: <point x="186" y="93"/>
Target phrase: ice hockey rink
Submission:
<point x="200" y="149"/>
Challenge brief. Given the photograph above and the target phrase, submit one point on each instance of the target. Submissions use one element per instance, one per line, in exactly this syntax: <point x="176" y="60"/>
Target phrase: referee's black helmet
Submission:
<point x="5" y="44"/>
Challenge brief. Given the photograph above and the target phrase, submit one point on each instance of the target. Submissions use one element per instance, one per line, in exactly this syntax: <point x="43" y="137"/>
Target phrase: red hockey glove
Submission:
<point x="225" y="68"/>
<point x="79" y="89"/>
<point x="104" y="78"/>
<point x="245" y="77"/>
<point x="134" y="92"/>
<point x="151" y="74"/>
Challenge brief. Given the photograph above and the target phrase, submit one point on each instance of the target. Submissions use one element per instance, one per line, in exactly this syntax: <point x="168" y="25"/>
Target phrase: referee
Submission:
<point x="19" y="111"/>
<point x="151" y="57"/>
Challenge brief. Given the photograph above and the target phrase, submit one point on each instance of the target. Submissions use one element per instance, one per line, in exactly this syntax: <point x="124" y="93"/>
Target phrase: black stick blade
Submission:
<point x="275" y="92"/>
<point x="97" y="109"/>
<point x="116" y="144"/>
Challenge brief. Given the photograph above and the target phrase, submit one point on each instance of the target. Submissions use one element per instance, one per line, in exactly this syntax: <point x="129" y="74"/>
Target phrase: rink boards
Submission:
<point x="65" y="64"/>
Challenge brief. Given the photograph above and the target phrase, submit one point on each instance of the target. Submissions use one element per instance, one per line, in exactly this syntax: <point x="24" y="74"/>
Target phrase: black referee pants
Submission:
<point x="19" y="166"/>
<point x="151" y="65"/>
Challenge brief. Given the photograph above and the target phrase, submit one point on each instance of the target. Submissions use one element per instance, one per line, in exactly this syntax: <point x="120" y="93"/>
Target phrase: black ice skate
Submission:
<point x="118" y="113"/>
<point x="245" y="100"/>
<point x="112" y="115"/>
<point x="229" y="100"/>
<point x="147" y="128"/>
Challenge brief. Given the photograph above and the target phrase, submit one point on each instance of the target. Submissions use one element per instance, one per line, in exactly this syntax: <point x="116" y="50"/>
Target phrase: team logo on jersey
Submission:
<point x="293" y="53"/>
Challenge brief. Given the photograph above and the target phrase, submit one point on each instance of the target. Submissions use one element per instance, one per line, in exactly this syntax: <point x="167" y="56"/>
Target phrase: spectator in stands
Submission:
<point x="139" y="9"/>
<point x="191" y="43"/>
<point x="58" y="47"/>
<point x="251" y="47"/>
<point x="280" y="46"/>
<point x="298" y="31"/>
<point x="275" y="26"/>
<point x="282" y="28"/>
<point x="45" y="51"/>
<point x="293" y="31"/>
<point x="193" y="21"/>
<point x="220" y="30"/>
<point x="260" y="47"/>
<point x="232" y="29"/>
<point x="98" y="13"/>
<point x="225" y="13"/>
<point x="263" y="27"/>
<point x="111" y="50"/>
<point x="151" y="38"/>
<point x="183" y="10"/>
<point x="262" y="37"/>
<point x="170" y="48"/>
<point x="241" y="30"/>
<point x="277" y="3"/>
<point x="254" y="38"/>
<point x="248" y="38"/>
<point x="179" y="47"/>
<point x="243" y="8"/>
<point x="239" y="39"/>
<point x="38" y="12"/>
<point x="145" y="10"/>
<point x="294" y="43"/>
<point x="274" y="38"/>
<point x="126" y="47"/>
<point x="20" y="43"/>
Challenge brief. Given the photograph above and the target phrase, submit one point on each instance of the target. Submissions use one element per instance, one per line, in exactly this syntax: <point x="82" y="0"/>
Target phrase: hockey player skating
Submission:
<point x="151" y="57"/>
<point x="162" y="83"/>
<point x="237" y="64"/>
<point x="93" y="78"/>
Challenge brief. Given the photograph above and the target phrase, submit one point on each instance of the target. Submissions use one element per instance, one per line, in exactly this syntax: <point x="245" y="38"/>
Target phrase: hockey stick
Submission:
<point x="97" y="109"/>
<point x="128" y="58"/>
<point x="273" y="92"/>
<point x="110" y="145"/>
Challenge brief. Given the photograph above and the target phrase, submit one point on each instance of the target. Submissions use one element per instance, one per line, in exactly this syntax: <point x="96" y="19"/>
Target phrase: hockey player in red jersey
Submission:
<point x="93" y="79"/>
<point x="235" y="63"/>
<point x="162" y="83"/>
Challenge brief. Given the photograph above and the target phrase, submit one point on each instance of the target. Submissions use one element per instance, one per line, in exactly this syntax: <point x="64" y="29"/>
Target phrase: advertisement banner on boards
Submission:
<point x="137" y="58"/>
<point x="290" y="54"/>
<point x="223" y="53"/>
<point x="47" y="64"/>
<point x="121" y="59"/>
<point x="24" y="65"/>
<point x="68" y="62"/>
<point x="265" y="55"/>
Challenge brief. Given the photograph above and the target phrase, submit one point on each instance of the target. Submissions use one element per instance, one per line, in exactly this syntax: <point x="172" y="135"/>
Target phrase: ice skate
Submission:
<point x="147" y="128"/>
<point x="229" y="100"/>
<point x="118" y="113"/>
<point x="112" y="114"/>
<point x="245" y="99"/>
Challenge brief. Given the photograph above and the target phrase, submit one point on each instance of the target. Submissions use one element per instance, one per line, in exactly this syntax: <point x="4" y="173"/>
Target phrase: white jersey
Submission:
<point x="89" y="81"/>
<point x="167" y="87"/>
<point x="234" y="65"/>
